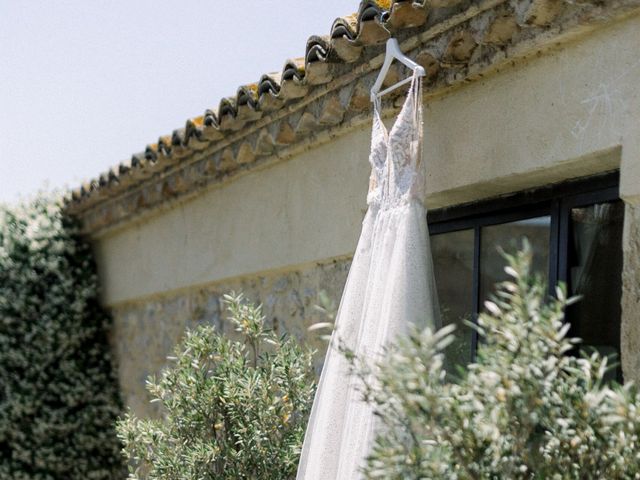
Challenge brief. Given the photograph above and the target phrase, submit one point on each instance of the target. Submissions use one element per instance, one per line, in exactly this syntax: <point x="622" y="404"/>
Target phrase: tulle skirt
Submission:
<point x="390" y="286"/>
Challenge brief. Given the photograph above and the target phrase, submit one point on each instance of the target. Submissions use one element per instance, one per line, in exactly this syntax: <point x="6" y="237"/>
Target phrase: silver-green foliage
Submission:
<point x="524" y="410"/>
<point x="233" y="409"/>
<point x="58" y="394"/>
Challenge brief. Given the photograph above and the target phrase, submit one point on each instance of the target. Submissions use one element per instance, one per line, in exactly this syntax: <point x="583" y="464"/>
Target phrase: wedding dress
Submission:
<point x="390" y="286"/>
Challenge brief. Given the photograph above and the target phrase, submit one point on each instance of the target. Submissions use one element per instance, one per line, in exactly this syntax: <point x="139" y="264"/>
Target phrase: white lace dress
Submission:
<point x="390" y="285"/>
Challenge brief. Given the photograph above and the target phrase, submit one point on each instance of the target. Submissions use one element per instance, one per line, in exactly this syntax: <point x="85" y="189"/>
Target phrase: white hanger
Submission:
<point x="393" y="53"/>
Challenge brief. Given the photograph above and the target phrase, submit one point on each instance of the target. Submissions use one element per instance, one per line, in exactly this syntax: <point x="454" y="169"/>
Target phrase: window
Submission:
<point x="575" y="230"/>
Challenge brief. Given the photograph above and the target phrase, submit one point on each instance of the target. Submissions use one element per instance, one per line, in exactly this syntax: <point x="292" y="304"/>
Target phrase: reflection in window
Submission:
<point x="595" y="263"/>
<point x="453" y="264"/>
<point x="509" y="237"/>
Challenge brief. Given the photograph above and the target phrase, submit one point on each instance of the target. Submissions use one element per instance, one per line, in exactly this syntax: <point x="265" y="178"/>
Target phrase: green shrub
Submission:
<point x="58" y="395"/>
<point x="233" y="409"/>
<point x="526" y="409"/>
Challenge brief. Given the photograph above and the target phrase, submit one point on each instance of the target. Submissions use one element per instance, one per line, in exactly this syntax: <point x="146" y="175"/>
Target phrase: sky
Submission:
<point x="84" y="84"/>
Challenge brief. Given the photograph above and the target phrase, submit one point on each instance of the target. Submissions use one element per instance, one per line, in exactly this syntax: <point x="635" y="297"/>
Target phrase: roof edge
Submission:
<point x="327" y="93"/>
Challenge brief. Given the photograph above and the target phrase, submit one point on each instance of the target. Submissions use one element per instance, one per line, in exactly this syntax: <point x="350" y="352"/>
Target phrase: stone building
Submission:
<point x="532" y="128"/>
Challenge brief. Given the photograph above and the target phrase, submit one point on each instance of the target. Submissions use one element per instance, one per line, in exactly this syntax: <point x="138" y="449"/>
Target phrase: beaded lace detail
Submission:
<point x="396" y="154"/>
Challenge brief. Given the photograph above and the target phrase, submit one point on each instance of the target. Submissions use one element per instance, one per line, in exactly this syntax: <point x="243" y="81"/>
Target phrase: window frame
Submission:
<point x="555" y="201"/>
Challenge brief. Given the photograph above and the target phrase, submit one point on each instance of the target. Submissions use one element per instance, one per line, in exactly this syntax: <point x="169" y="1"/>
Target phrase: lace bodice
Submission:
<point x="396" y="154"/>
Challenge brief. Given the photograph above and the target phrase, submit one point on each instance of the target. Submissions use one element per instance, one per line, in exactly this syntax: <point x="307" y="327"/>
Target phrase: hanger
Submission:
<point x="393" y="53"/>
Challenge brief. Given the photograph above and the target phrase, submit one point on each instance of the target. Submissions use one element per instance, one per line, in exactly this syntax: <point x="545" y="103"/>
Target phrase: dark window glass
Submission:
<point x="595" y="264"/>
<point x="575" y="231"/>
<point x="453" y="264"/>
<point x="509" y="237"/>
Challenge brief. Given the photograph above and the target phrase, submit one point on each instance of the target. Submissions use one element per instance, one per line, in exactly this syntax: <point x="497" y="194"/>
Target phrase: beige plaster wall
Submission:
<point x="572" y="112"/>
<point x="560" y="116"/>
<point x="566" y="114"/>
<point x="296" y="212"/>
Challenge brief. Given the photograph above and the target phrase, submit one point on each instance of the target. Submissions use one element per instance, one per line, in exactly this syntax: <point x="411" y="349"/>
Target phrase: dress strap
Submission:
<point x="377" y="108"/>
<point x="416" y="91"/>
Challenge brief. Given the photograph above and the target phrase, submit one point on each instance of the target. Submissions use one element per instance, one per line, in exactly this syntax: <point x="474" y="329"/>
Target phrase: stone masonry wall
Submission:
<point x="146" y="332"/>
<point x="630" y="327"/>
